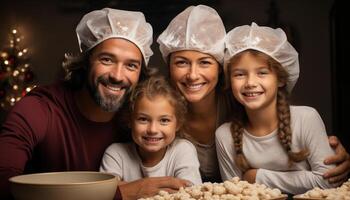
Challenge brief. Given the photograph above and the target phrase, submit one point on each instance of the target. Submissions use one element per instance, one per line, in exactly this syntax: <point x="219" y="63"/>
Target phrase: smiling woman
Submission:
<point x="193" y="46"/>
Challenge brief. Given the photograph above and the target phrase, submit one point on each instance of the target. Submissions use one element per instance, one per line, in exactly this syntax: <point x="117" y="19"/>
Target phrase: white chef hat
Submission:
<point x="100" y="25"/>
<point x="272" y="42"/>
<point x="197" y="28"/>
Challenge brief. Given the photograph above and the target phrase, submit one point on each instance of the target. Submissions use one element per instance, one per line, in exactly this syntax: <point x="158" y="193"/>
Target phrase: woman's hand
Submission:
<point x="341" y="158"/>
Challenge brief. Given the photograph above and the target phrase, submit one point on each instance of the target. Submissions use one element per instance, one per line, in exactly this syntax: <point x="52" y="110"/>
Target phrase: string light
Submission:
<point x="15" y="73"/>
<point x="16" y="77"/>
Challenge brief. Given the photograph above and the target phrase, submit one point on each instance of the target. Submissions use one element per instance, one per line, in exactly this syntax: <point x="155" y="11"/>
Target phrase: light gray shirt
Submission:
<point x="268" y="156"/>
<point x="180" y="160"/>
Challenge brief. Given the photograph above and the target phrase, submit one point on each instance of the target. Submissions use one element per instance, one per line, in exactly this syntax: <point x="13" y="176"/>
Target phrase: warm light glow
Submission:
<point x="12" y="100"/>
<point x="23" y="70"/>
<point x="20" y="54"/>
<point x="28" y="89"/>
<point x="15" y="73"/>
<point x="11" y="41"/>
<point x="18" y="98"/>
<point x="15" y="87"/>
<point x="14" y="31"/>
<point x="26" y="65"/>
<point x="18" y="39"/>
<point x="4" y="54"/>
<point x="25" y="50"/>
<point x="8" y="69"/>
<point x="6" y="62"/>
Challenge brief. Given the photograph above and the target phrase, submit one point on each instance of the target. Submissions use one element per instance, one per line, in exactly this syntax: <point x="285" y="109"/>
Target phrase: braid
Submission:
<point x="237" y="128"/>
<point x="284" y="130"/>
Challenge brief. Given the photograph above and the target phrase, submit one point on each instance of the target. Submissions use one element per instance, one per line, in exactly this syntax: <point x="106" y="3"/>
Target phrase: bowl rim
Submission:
<point x="14" y="179"/>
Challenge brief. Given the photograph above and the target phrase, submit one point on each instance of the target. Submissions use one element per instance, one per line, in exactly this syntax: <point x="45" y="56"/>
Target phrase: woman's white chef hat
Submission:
<point x="197" y="28"/>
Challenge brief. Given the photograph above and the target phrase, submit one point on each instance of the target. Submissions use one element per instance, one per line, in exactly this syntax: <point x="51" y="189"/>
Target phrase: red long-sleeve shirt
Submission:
<point x="46" y="132"/>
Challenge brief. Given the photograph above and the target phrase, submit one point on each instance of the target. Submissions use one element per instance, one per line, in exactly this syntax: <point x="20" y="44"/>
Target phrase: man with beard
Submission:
<point x="68" y="125"/>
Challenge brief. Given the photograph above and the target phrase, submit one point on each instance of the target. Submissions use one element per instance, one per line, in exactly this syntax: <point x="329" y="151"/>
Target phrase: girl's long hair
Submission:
<point x="240" y="118"/>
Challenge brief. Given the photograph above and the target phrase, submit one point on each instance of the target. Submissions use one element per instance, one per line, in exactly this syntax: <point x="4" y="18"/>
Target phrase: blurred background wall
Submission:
<point x="313" y="27"/>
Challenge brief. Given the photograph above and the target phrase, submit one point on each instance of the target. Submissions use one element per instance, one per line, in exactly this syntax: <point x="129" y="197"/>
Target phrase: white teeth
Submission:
<point x="114" y="88"/>
<point x="151" y="139"/>
<point x="252" y="94"/>
<point x="194" y="86"/>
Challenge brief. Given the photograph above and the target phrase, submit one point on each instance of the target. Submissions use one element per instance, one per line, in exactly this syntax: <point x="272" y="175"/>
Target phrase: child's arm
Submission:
<point x="185" y="162"/>
<point x="309" y="132"/>
<point x="225" y="153"/>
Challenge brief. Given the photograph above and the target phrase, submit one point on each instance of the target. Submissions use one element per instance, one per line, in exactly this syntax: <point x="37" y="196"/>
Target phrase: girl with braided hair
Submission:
<point x="269" y="141"/>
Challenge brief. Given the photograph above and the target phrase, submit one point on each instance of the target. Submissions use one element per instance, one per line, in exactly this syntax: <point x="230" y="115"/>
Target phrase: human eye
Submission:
<point x="205" y="63"/>
<point x="132" y="66"/>
<point x="164" y="120"/>
<point x="142" y="119"/>
<point x="106" y="60"/>
<point x="181" y="63"/>
<point x="237" y="74"/>
<point x="263" y="72"/>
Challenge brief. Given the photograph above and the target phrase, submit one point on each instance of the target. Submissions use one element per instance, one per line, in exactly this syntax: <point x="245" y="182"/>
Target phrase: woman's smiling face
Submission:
<point x="194" y="74"/>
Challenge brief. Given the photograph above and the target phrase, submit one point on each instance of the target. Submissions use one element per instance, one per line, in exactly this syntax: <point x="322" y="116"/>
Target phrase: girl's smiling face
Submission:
<point x="254" y="84"/>
<point x="154" y="125"/>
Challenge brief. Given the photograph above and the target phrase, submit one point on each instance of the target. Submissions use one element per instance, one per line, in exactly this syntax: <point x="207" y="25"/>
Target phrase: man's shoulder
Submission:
<point x="57" y="93"/>
<point x="55" y="89"/>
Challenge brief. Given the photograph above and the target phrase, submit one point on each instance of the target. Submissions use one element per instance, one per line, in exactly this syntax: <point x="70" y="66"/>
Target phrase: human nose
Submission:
<point x="117" y="73"/>
<point x="193" y="72"/>
<point x="251" y="81"/>
<point x="152" y="128"/>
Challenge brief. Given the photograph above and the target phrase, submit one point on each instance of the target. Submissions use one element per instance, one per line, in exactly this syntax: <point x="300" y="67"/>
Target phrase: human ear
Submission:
<point x="281" y="84"/>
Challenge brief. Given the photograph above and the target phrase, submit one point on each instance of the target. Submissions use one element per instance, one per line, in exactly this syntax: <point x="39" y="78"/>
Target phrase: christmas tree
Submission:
<point x="16" y="76"/>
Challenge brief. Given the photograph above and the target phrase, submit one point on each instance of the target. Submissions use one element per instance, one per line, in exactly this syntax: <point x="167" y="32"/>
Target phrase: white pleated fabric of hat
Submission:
<point x="198" y="28"/>
<point x="100" y="25"/>
<point x="272" y="42"/>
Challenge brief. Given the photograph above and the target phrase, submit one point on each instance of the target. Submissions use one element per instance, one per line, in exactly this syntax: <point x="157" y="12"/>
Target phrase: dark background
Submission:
<point x="317" y="29"/>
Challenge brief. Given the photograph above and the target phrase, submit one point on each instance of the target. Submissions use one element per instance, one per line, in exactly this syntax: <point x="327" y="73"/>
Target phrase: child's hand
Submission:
<point x="250" y="175"/>
<point x="341" y="159"/>
<point x="147" y="187"/>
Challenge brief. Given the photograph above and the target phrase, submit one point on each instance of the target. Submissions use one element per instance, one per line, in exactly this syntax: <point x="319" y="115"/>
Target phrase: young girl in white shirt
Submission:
<point x="268" y="141"/>
<point x="157" y="116"/>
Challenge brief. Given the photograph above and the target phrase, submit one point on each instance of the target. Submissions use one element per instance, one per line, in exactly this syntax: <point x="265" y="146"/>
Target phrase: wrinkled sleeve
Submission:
<point x="186" y="163"/>
<point x="225" y="153"/>
<point x="112" y="160"/>
<point x="25" y="126"/>
<point x="313" y="136"/>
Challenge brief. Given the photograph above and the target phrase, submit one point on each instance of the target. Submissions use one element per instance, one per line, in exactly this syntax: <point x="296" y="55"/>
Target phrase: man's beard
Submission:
<point x="109" y="102"/>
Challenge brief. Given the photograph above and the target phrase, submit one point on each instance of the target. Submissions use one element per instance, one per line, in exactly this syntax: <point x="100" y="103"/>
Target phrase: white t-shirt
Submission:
<point x="268" y="156"/>
<point x="180" y="160"/>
